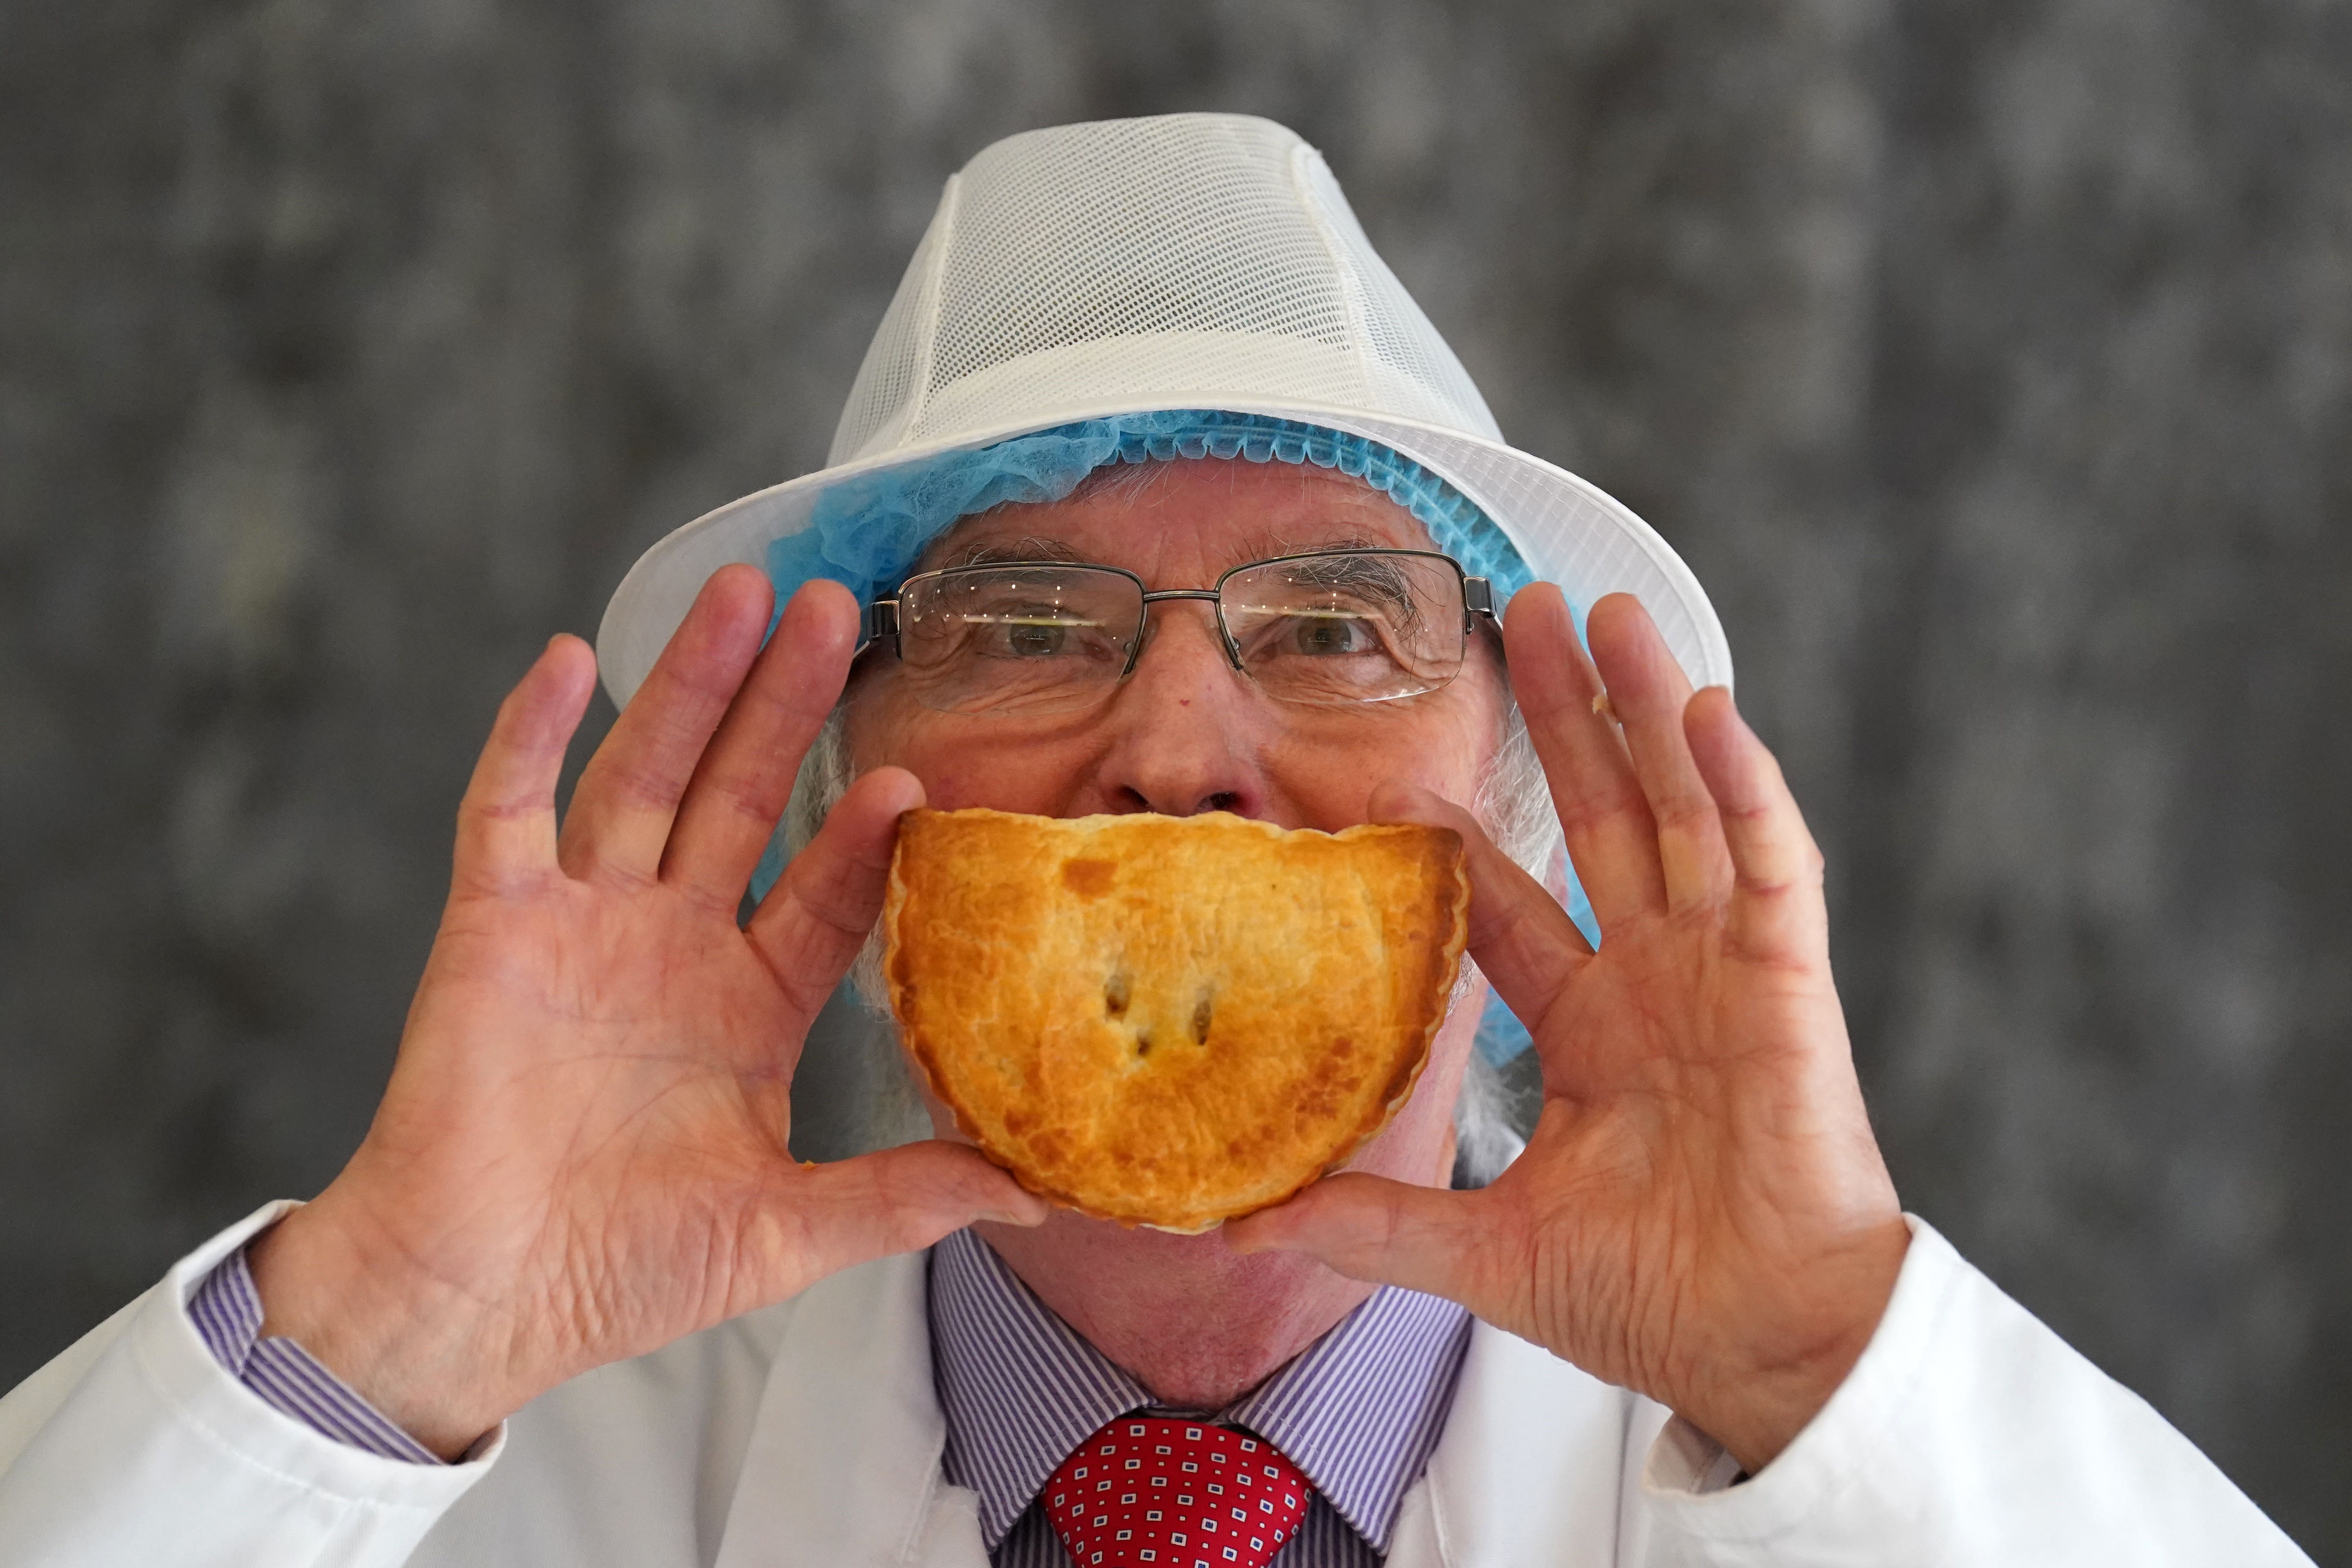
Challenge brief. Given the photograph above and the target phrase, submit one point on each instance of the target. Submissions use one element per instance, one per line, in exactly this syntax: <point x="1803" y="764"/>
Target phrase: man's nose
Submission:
<point x="1185" y="725"/>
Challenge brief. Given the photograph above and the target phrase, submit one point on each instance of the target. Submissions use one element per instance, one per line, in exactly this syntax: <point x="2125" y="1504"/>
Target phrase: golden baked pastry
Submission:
<point x="1171" y="1021"/>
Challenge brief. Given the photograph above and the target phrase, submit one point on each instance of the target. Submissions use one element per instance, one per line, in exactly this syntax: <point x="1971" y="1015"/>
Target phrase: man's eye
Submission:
<point x="1035" y="639"/>
<point x="1324" y="634"/>
<point x="1016" y="634"/>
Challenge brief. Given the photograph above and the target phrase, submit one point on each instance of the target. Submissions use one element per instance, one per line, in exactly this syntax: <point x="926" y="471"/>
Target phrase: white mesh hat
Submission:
<point x="1187" y="261"/>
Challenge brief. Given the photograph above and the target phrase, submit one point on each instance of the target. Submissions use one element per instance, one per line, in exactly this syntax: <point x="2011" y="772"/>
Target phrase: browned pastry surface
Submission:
<point x="1169" y="1021"/>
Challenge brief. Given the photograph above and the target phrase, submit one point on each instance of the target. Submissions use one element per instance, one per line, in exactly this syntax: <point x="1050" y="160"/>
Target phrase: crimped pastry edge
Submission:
<point x="1455" y="946"/>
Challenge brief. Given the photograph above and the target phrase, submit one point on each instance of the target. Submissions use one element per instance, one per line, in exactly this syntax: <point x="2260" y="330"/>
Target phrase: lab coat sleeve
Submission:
<point x="1968" y="1432"/>
<point x="136" y="1445"/>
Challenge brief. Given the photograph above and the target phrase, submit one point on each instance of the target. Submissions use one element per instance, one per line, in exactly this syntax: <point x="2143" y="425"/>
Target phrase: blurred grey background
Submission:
<point x="1987" y="359"/>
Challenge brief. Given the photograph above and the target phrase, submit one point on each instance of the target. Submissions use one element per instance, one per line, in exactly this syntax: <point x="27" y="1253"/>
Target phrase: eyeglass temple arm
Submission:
<point x="881" y="621"/>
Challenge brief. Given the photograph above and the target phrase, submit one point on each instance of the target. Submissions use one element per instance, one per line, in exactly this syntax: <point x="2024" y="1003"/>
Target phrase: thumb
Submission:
<point x="891" y="1201"/>
<point x="1392" y="1233"/>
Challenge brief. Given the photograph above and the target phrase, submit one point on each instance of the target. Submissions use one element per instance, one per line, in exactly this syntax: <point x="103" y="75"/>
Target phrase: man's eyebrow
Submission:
<point x="1371" y="574"/>
<point x="1273" y="547"/>
<point x="1352" y="542"/>
<point x="1042" y="547"/>
<point x="1030" y="547"/>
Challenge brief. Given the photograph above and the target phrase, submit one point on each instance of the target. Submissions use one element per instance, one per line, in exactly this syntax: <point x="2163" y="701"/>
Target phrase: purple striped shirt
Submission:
<point x="226" y="1310"/>
<point x="1359" y="1411"/>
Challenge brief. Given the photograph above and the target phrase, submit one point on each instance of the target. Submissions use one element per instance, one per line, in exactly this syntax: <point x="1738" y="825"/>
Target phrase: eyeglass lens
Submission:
<point x="1364" y="626"/>
<point x="1016" y="640"/>
<point x="1325" y="629"/>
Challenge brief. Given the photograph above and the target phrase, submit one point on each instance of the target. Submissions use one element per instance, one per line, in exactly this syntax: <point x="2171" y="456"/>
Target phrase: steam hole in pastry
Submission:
<point x="1142" y="1046"/>
<point x="1115" y="995"/>
<point x="1200" y="1012"/>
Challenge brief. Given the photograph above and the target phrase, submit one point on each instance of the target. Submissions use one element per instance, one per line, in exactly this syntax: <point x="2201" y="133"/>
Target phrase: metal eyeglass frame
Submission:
<point x="1477" y="597"/>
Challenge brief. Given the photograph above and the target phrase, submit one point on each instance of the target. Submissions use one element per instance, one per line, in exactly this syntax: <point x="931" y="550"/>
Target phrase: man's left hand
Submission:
<point x="1701" y="1214"/>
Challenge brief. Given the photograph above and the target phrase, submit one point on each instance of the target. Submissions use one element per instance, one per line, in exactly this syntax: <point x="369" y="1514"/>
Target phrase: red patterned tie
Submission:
<point x="1182" y="1494"/>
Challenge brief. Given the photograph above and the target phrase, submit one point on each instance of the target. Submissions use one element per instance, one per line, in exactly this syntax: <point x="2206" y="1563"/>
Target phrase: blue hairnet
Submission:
<point x="868" y="533"/>
<point x="865" y="532"/>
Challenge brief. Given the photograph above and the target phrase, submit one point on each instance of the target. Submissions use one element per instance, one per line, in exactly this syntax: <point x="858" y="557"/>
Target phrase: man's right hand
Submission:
<point x="580" y="1155"/>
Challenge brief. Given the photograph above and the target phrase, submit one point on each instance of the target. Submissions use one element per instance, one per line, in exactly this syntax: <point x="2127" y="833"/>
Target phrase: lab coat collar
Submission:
<point x="843" y="1465"/>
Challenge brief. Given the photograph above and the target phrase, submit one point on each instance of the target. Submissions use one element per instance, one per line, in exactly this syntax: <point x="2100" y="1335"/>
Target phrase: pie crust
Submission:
<point x="1171" y="1021"/>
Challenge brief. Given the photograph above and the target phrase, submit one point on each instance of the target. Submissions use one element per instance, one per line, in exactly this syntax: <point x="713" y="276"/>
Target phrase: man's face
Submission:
<point x="1186" y="732"/>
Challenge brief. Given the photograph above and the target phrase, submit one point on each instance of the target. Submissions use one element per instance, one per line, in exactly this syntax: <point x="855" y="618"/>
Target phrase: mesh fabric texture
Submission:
<point x="1189" y="250"/>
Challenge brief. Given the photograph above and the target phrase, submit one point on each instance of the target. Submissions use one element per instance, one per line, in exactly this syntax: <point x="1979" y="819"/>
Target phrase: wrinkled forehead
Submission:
<point x="1182" y="522"/>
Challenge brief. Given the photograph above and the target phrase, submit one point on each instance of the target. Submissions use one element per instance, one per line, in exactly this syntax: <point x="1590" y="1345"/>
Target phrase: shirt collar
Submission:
<point x="1019" y="1389"/>
<point x="1358" y="1412"/>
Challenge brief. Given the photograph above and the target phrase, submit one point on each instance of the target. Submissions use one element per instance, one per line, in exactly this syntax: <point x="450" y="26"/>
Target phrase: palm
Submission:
<point x="1676" y="1151"/>
<point x="642" y="1106"/>
<point x="1701" y="1212"/>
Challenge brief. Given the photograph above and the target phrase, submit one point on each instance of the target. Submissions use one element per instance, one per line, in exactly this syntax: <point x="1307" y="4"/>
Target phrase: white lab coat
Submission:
<point x="808" y="1436"/>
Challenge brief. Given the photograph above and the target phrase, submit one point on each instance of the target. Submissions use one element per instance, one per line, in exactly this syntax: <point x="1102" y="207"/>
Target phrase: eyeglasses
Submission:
<point x="1326" y="628"/>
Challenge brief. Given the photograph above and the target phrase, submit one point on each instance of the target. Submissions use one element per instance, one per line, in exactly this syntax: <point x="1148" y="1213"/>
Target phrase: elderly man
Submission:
<point x="572" y="1302"/>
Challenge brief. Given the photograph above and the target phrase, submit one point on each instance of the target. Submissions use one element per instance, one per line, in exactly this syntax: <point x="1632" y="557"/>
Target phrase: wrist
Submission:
<point x="412" y="1346"/>
<point x="1756" y="1402"/>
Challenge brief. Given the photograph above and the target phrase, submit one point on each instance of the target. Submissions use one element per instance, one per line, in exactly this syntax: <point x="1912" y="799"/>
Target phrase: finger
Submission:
<point x="895" y="1200"/>
<point x="1391" y="1233"/>
<point x="628" y="793"/>
<point x="506" y="824"/>
<point x="1777" y="913"/>
<point x="747" y="772"/>
<point x="1523" y="941"/>
<point x="1603" y="812"/>
<point x="819" y="913"/>
<point x="1649" y="691"/>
